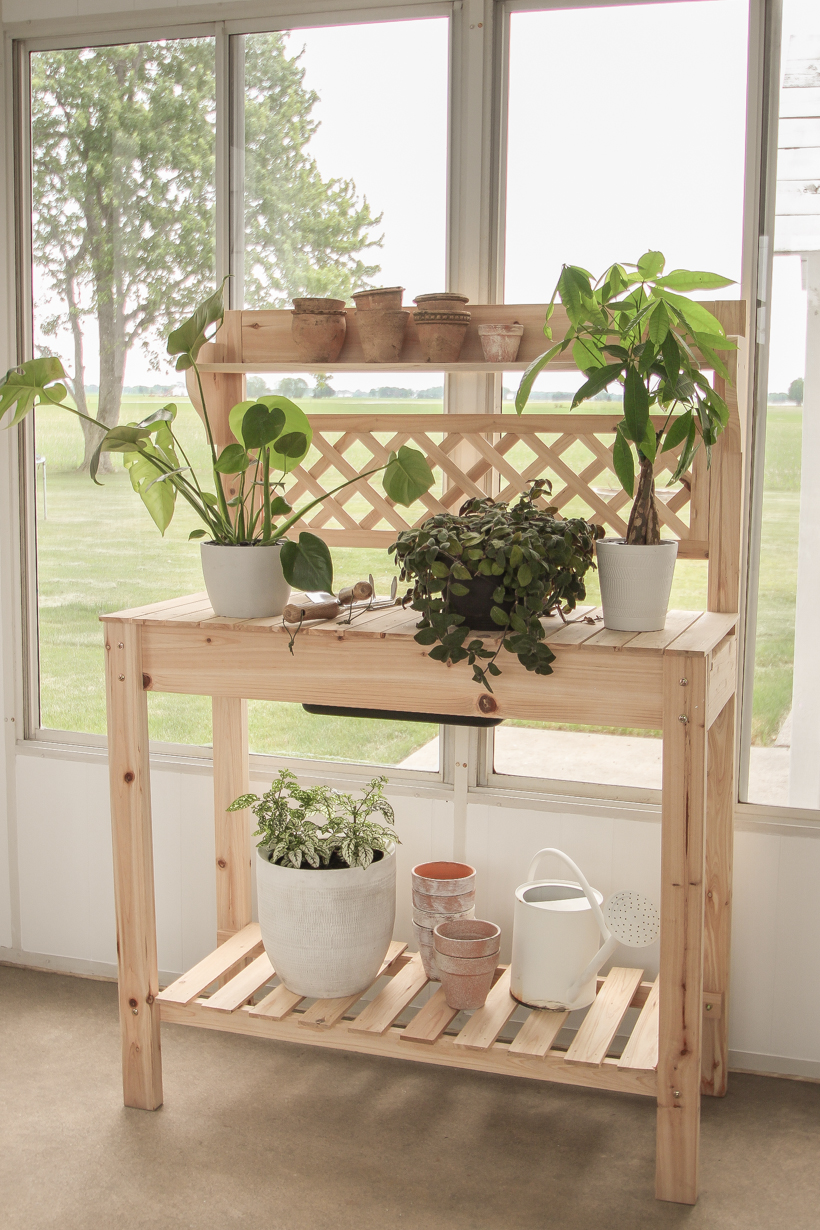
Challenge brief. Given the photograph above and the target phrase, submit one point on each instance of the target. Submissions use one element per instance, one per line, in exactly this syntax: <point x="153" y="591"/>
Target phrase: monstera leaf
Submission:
<point x="190" y="337"/>
<point x="307" y="563"/>
<point x="36" y="380"/>
<point x="295" y="421"/>
<point x="407" y="476"/>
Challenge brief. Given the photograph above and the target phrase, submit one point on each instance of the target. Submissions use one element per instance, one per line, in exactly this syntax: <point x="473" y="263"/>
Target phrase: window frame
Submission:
<point x="477" y="114"/>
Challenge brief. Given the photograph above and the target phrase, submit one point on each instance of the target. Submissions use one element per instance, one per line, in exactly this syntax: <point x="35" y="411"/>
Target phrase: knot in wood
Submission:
<point x="487" y="704"/>
<point x="129" y="776"/>
<point x="220" y="862"/>
<point x="132" y="1003"/>
<point x="146" y="682"/>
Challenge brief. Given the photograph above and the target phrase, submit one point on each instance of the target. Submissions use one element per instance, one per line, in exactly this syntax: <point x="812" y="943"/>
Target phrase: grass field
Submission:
<point x="99" y="551"/>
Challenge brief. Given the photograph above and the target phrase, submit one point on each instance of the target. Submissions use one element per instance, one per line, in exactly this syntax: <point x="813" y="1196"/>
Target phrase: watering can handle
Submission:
<point x="582" y="880"/>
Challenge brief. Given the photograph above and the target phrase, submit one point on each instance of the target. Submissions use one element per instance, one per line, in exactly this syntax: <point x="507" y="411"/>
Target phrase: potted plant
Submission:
<point x="272" y="437"/>
<point x="495" y="567"/>
<point x="638" y="329"/>
<point x="326" y="883"/>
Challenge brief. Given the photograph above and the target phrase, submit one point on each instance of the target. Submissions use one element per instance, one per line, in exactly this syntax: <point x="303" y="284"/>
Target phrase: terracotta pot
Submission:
<point x="382" y="334"/>
<point x="500" y="342"/>
<point x="388" y="298"/>
<point x="457" y="903"/>
<point x="441" y="335"/>
<point x="318" y="305"/>
<point x="442" y="301"/>
<point x="467" y="938"/>
<point x="432" y="918"/>
<point x="318" y="336"/>
<point x="465" y="966"/>
<point x="443" y="879"/>
<point x="427" y="952"/>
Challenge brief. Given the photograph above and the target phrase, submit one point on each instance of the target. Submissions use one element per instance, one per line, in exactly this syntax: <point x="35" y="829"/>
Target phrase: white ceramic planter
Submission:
<point x="326" y="932"/>
<point x="244" y="582"/>
<point x="635" y="583"/>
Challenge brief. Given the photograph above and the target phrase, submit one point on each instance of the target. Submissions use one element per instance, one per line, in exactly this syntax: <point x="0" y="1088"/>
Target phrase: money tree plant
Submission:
<point x="635" y="326"/>
<point x="529" y="560"/>
<point x="318" y="826"/>
<point x="272" y="437"/>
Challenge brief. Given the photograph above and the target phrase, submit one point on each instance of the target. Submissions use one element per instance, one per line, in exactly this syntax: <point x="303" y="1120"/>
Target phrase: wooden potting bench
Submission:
<point x="681" y="680"/>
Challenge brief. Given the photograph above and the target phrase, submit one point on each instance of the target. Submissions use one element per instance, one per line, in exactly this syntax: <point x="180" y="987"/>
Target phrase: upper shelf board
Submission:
<point x="261" y="341"/>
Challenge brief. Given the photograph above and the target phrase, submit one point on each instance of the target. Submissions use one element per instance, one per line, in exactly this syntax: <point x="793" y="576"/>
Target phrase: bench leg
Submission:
<point x="231" y="829"/>
<point x="128" y="767"/>
<point x="720" y="792"/>
<point x="681" y="960"/>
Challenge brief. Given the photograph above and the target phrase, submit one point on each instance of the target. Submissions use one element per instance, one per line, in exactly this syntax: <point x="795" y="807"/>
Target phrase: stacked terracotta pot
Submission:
<point x="467" y="952"/>
<point x="381" y="321"/>
<point x="318" y="328"/>
<point x="441" y="325"/>
<point x="442" y="892"/>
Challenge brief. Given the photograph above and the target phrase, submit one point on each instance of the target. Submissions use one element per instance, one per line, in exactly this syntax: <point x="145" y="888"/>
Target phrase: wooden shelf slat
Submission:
<point x="242" y="986"/>
<point x="325" y="1013"/>
<point x="277" y="1005"/>
<point x="486" y="1024"/>
<point x="430" y="1022"/>
<point x="242" y="944"/>
<point x="539" y="1031"/>
<point x="600" y="1025"/>
<point x="400" y="991"/>
<point x="641" y="1050"/>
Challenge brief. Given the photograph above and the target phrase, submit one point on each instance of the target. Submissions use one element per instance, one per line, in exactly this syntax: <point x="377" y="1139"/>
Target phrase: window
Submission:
<point x="782" y="718"/>
<point x="580" y="191"/>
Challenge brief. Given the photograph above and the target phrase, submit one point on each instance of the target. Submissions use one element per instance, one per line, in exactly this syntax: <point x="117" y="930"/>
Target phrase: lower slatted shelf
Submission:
<point x="282" y="1014"/>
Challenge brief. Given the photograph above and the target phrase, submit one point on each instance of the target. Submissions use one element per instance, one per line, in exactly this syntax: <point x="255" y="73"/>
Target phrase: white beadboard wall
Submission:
<point x="66" y="917"/>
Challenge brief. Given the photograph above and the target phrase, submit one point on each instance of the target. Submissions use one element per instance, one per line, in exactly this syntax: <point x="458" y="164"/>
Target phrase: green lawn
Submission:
<point x="99" y="551"/>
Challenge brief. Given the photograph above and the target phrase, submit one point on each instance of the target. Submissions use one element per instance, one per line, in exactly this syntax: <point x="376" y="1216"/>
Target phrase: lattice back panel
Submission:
<point x="473" y="455"/>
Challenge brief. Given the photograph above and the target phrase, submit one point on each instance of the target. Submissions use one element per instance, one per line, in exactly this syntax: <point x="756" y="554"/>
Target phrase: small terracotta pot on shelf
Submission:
<point x="466" y="955"/>
<point x="442" y="301"/>
<point x="436" y="886"/>
<point x="386" y="298"/>
<point x="318" y="305"/>
<point x="318" y="336"/>
<point x="500" y="343"/>
<point x="441" y="335"/>
<point x="381" y="333"/>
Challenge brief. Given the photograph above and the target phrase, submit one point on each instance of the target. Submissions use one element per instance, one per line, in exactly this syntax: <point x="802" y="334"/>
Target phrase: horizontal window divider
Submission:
<point x="326" y="14"/>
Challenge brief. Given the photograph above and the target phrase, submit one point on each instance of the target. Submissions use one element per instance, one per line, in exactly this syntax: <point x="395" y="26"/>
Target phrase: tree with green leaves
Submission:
<point x="123" y="197"/>
<point x="796" y="390"/>
<point x="640" y="330"/>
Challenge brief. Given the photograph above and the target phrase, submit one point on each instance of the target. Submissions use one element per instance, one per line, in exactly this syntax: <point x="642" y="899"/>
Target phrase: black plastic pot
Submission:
<point x="475" y="606"/>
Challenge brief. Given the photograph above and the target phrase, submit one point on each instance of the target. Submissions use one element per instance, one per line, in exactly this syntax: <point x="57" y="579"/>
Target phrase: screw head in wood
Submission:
<point x="683" y="682"/>
<point x="120" y="645"/>
<point x="676" y="1093"/>
<point x="122" y="678"/>
<point x="708" y="1007"/>
<point x="683" y="718"/>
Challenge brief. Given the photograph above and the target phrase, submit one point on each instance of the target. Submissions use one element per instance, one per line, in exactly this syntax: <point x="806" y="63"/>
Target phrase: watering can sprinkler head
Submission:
<point x="632" y="920"/>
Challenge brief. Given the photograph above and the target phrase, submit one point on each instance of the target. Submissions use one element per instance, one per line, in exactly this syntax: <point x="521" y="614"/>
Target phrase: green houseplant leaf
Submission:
<point x="307" y="564"/>
<point x="190" y="337"/>
<point x="407" y="476"/>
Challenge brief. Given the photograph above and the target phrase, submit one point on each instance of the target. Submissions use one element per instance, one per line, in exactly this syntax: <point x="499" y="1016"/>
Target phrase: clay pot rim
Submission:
<point x="501" y="330"/>
<point x="377" y="290"/>
<point x="451" y="872"/>
<point x="318" y="312"/>
<point x="491" y="930"/>
<point x="453" y="318"/>
<point x="467" y="967"/>
<point x="302" y="300"/>
<point x="452" y="296"/>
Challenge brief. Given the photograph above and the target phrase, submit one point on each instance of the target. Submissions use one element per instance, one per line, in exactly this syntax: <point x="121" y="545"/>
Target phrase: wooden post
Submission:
<point x="720" y="793"/>
<point x="681" y="960"/>
<point x="232" y="829"/>
<point x="138" y="980"/>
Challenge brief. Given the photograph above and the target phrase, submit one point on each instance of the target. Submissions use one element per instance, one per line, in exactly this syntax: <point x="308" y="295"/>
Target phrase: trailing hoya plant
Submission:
<point x="535" y="561"/>
<point x="633" y="326"/>
<point x="319" y="826"/>
<point x="273" y="436"/>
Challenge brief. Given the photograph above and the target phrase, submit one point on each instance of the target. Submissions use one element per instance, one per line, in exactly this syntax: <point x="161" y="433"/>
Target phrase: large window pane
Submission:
<point x="784" y="767"/>
<point x="590" y="187"/>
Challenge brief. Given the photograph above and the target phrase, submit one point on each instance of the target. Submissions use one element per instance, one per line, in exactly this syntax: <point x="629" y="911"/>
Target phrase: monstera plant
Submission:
<point x="272" y="436"/>
<point x="636" y="327"/>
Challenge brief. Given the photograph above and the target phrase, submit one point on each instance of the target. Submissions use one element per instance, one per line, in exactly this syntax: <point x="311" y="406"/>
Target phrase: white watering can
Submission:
<point x="557" y="929"/>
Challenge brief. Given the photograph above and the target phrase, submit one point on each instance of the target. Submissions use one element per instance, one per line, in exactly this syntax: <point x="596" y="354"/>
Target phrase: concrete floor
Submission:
<point x="256" y="1134"/>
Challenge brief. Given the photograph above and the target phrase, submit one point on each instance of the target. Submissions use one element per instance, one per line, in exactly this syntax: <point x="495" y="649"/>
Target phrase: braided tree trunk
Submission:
<point x="644" y="527"/>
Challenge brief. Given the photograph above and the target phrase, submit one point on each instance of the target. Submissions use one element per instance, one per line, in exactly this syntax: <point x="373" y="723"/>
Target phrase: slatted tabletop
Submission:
<point x="684" y="632"/>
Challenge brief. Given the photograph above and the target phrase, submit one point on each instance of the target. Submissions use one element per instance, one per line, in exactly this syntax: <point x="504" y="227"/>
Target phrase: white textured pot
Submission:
<point x="635" y="583"/>
<point x="244" y="582"/>
<point x="327" y="931"/>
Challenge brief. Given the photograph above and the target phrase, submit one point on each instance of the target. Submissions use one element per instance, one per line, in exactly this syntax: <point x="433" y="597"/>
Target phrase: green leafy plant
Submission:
<point x="640" y="330"/>
<point x="273" y="436"/>
<point x="320" y="826"/>
<point x="534" y="561"/>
